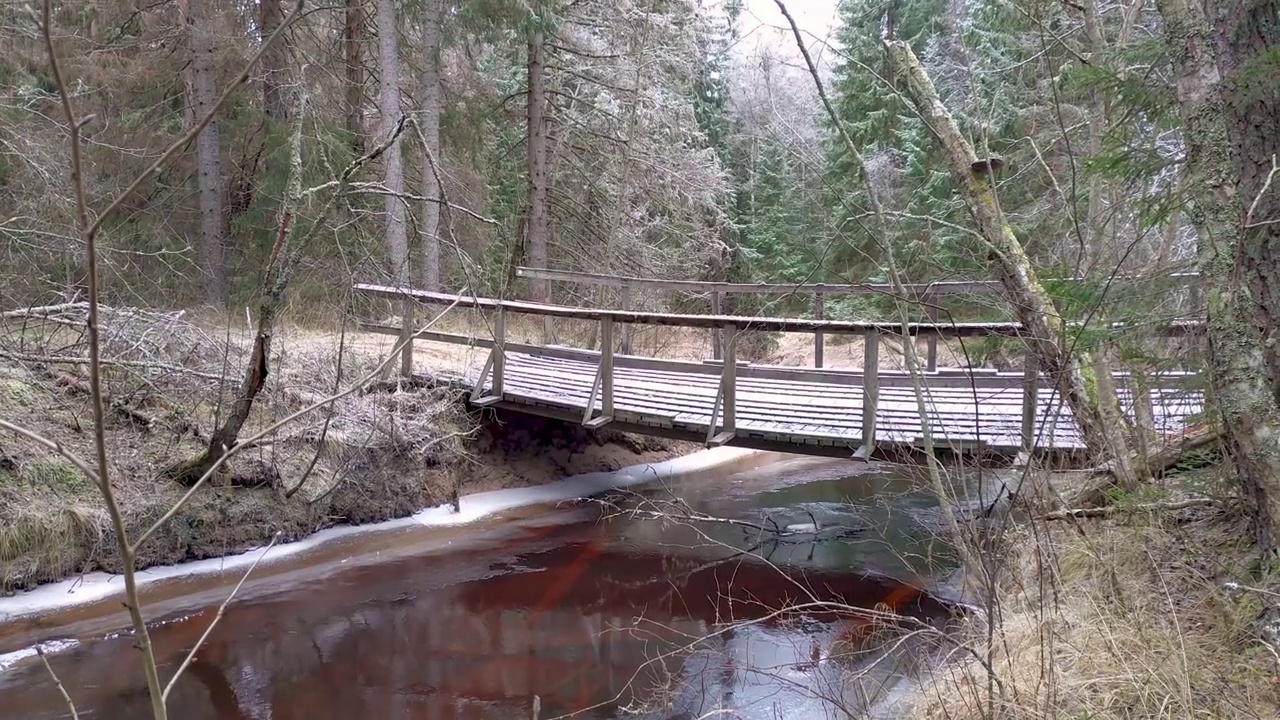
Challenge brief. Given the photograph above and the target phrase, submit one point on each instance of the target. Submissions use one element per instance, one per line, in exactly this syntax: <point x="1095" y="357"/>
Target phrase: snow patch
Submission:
<point x="98" y="586"/>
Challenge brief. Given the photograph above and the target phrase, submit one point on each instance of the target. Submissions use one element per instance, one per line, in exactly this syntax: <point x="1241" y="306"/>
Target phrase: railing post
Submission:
<point x="931" y="311"/>
<point x="1143" y="413"/>
<point x="406" y="337"/>
<point x="603" y="381"/>
<point x="626" y="327"/>
<point x="716" y="343"/>
<point x="499" y="352"/>
<point x="870" y="393"/>
<point x="819" y="313"/>
<point x="1030" y="400"/>
<point x="606" y="367"/>
<point x="726" y="399"/>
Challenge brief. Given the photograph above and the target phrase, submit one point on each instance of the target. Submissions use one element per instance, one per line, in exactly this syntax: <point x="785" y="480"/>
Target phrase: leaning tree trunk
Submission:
<point x="1231" y="115"/>
<point x="1045" y="330"/>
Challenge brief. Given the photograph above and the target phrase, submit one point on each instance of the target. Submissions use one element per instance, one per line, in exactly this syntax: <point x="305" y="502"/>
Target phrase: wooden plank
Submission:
<point x="606" y="367"/>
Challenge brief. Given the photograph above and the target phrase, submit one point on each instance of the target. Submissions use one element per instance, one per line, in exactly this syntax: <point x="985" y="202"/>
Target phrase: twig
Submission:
<point x="241" y="444"/>
<point x="1248" y="217"/>
<point x="1109" y="510"/>
<point x="222" y="609"/>
<point x="108" y="362"/>
<point x="58" y="684"/>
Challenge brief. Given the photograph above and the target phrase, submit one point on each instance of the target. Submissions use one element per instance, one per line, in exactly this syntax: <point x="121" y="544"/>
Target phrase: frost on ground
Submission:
<point x="168" y="379"/>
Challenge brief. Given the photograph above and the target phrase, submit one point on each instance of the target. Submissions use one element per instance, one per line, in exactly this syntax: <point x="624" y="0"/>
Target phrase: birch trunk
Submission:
<point x="1232" y="132"/>
<point x="1046" y="331"/>
<point x="429" y="231"/>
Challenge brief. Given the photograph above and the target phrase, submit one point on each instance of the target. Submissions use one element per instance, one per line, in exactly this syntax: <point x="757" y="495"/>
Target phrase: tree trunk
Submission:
<point x="353" y="54"/>
<point x="393" y="178"/>
<point x="1046" y="330"/>
<point x="538" y="227"/>
<point x="1228" y="103"/>
<point x="429" y="231"/>
<point x="274" y="63"/>
<point x="208" y="148"/>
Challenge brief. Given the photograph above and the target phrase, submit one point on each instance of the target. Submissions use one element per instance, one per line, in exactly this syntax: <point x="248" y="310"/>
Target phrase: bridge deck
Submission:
<point x="820" y="411"/>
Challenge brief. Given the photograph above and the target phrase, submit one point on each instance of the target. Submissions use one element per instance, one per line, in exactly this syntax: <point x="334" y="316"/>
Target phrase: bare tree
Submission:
<point x="208" y="151"/>
<point x="393" y="174"/>
<point x="353" y="66"/>
<point x="429" y="228"/>
<point x="274" y="63"/>
<point x="538" y="214"/>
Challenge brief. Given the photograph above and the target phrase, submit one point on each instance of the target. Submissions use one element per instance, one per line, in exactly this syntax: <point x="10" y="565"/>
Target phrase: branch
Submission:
<point x="222" y="609"/>
<point x="1253" y="207"/>
<point x="187" y="137"/>
<point x="108" y="362"/>
<point x="58" y="683"/>
<point x="242" y="444"/>
<point x="1109" y="510"/>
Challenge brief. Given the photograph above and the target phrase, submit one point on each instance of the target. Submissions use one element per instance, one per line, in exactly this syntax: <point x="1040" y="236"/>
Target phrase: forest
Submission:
<point x="181" y="183"/>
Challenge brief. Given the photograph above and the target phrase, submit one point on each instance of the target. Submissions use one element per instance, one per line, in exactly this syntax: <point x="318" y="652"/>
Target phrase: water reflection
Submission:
<point x="590" y="616"/>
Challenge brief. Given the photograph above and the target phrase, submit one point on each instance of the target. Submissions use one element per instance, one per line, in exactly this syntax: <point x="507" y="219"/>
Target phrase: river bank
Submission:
<point x="371" y="456"/>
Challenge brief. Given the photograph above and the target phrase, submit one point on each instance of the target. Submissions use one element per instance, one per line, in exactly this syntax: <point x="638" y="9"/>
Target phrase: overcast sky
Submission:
<point x="763" y="22"/>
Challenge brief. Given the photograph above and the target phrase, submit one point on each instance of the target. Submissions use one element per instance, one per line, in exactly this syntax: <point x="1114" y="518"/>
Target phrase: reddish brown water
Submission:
<point x="587" y="615"/>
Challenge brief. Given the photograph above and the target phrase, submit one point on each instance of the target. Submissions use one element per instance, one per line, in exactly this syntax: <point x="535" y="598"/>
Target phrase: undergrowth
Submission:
<point x="1144" y="615"/>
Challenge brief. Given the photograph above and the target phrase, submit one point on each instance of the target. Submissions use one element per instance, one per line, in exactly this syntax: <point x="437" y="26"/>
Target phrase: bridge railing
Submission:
<point x="723" y="423"/>
<point x="926" y="295"/>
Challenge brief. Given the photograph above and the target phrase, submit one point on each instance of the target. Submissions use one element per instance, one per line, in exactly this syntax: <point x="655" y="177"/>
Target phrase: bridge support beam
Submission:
<point x="870" y="394"/>
<point x="625" y="293"/>
<point x="497" y="364"/>
<point x="726" y="397"/>
<point x="1030" y="404"/>
<point x="603" y="382"/>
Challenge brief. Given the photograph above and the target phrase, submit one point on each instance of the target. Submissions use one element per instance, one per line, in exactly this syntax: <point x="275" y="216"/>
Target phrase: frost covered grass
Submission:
<point x="1121" y="618"/>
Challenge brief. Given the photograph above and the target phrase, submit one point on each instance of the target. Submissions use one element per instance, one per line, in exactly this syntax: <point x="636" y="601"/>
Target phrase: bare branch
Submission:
<point x="222" y="609"/>
<point x="58" y="683"/>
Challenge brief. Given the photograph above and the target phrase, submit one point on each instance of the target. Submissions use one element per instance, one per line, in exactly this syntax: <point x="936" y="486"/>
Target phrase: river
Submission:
<point x="591" y="608"/>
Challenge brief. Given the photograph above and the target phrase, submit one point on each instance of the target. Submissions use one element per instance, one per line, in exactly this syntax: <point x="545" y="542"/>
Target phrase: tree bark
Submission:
<point x="393" y="177"/>
<point x="208" y="150"/>
<point x="1228" y="103"/>
<point x="429" y="231"/>
<point x="1046" y="332"/>
<point x="353" y="54"/>
<point x="274" y="63"/>
<point x="538" y="226"/>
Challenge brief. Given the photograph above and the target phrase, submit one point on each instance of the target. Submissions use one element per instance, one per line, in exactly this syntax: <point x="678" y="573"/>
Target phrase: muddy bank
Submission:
<point x="53" y="524"/>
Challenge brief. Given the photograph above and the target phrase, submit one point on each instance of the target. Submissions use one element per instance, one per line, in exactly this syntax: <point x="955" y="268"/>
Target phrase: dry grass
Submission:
<point x="1124" y="619"/>
<point x="370" y="457"/>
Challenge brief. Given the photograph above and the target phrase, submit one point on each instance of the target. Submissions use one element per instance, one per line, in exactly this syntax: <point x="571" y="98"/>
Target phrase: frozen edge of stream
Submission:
<point x="98" y="586"/>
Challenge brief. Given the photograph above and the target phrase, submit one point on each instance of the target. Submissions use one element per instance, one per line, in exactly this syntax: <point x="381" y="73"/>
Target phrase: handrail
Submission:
<point x="940" y="287"/>
<point x="739" y="323"/>
<point x="722" y="424"/>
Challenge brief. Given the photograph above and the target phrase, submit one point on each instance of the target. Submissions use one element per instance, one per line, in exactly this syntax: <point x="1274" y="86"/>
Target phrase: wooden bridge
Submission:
<point x="865" y="412"/>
